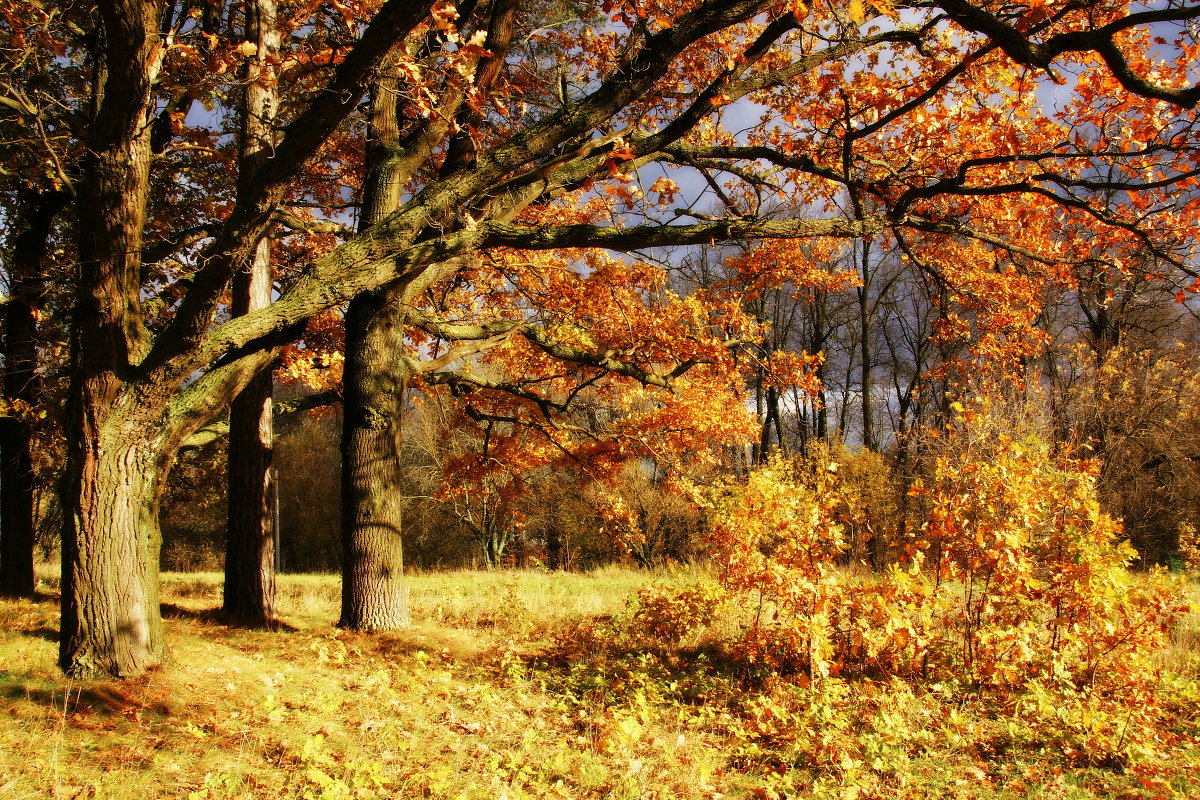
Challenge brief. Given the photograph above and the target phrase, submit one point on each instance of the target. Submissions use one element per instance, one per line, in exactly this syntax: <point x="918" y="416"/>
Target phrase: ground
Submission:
<point x="532" y="685"/>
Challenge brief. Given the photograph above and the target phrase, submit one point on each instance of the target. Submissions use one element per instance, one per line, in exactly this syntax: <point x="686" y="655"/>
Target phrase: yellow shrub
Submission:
<point x="1014" y="573"/>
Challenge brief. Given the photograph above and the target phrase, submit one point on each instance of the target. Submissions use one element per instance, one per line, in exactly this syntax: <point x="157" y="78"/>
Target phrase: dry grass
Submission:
<point x="240" y="712"/>
<point x="508" y="685"/>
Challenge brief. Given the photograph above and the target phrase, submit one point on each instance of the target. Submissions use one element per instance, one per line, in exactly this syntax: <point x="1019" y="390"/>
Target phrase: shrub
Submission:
<point x="669" y="614"/>
<point x="1013" y="573"/>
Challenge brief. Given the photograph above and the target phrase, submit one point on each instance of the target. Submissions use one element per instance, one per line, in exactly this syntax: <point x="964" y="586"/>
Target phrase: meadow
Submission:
<point x="535" y="684"/>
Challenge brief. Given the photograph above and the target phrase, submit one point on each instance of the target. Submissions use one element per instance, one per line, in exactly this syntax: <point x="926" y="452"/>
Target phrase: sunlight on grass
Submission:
<point x="529" y="684"/>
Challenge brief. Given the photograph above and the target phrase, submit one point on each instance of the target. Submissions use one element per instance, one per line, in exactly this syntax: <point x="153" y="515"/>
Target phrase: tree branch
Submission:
<point x="281" y="409"/>
<point x="1023" y="50"/>
<point x="301" y="140"/>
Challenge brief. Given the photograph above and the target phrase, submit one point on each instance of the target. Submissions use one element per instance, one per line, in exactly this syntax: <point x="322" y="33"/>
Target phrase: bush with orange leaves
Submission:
<point x="1014" y="574"/>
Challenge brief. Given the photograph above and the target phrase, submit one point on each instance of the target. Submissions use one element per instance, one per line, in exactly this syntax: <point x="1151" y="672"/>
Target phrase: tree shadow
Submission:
<point x="207" y="615"/>
<point x="37" y="598"/>
<point x="390" y="644"/>
<point x="44" y="632"/>
<point x="127" y="699"/>
<point x="217" y="616"/>
<point x="407" y="642"/>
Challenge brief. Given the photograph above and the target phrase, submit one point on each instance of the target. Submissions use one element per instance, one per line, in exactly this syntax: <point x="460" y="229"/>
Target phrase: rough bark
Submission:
<point x="374" y="379"/>
<point x="250" y="543"/>
<point x="110" y="620"/>
<point x="373" y="596"/>
<point x="134" y="400"/>
<point x="35" y="215"/>
<point x="376" y="371"/>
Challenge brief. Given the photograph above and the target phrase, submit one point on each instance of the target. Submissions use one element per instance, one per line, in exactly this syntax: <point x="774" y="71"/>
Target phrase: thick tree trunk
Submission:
<point x="110" y="616"/>
<point x="373" y="595"/>
<point x="376" y="369"/>
<point x="250" y="542"/>
<point x="374" y="379"/>
<point x="35" y="216"/>
<point x="110" y="621"/>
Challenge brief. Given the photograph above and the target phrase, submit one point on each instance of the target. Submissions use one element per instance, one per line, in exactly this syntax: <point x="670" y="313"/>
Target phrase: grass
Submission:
<point x="529" y="685"/>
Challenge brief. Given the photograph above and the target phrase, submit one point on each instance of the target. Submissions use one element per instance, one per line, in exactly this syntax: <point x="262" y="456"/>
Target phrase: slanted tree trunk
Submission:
<point x="250" y="536"/>
<point x="35" y="215"/>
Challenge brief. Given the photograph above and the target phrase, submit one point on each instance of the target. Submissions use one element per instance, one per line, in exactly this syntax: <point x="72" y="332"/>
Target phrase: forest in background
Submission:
<point x="1116" y="381"/>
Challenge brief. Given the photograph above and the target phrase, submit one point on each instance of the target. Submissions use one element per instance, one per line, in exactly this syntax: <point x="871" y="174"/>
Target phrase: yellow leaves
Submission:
<point x="443" y="16"/>
<point x="628" y="730"/>
<point x="856" y="12"/>
<point x="1011" y="572"/>
<point x="315" y="370"/>
<point x="666" y="189"/>
<point x="886" y="7"/>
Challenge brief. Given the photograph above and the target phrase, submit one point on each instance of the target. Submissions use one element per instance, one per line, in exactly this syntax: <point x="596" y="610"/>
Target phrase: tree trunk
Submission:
<point x="373" y="595"/>
<point x="250" y="542"/>
<point x="34" y="217"/>
<point x="110" y="615"/>
<point x="864" y="343"/>
<point x="761" y="447"/>
<point x="374" y="380"/>
<point x="775" y="416"/>
<point x="110" y="621"/>
<point x="819" y="335"/>
<point x="376" y="369"/>
<point x="554" y="548"/>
